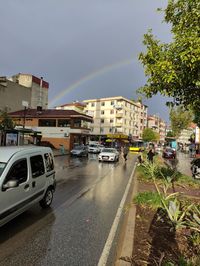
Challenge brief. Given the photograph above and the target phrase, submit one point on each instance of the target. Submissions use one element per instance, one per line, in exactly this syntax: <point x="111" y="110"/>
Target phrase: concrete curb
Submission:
<point x="124" y="256"/>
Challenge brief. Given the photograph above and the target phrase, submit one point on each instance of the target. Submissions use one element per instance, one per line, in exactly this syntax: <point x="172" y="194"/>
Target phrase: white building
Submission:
<point x="116" y="115"/>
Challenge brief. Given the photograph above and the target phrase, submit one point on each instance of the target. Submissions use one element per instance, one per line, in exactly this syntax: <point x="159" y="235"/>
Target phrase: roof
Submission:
<point x="119" y="98"/>
<point x="49" y="113"/>
<point x="7" y="152"/>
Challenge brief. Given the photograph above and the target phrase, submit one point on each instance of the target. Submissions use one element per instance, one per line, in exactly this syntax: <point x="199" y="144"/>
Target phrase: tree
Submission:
<point x="5" y="121"/>
<point x="173" y="69"/>
<point x="180" y="119"/>
<point x="150" y="135"/>
<point x="170" y="134"/>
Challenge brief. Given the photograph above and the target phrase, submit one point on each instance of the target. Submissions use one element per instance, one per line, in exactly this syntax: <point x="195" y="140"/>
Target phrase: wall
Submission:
<point x="12" y="96"/>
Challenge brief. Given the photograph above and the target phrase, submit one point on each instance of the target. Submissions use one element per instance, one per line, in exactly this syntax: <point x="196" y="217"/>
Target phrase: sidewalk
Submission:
<point x="57" y="152"/>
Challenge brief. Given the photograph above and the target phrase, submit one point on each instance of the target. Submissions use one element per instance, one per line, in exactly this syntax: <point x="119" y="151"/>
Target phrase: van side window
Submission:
<point x="18" y="171"/>
<point x="37" y="165"/>
<point x="49" y="161"/>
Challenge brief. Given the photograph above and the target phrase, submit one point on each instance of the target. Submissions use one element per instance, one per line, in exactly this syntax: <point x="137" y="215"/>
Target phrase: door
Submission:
<point x="38" y="176"/>
<point x="14" y="199"/>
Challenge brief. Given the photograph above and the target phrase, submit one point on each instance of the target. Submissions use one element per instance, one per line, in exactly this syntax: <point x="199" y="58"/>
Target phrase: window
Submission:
<point x="101" y="130"/>
<point x="102" y="112"/>
<point x="77" y="123"/>
<point x="63" y="123"/>
<point x="103" y="104"/>
<point x="110" y="129"/>
<point x="37" y="165"/>
<point x="49" y="161"/>
<point x="111" y="120"/>
<point x="112" y="103"/>
<point x="47" y="123"/>
<point x="111" y="112"/>
<point x="92" y="104"/>
<point x="102" y="121"/>
<point x="18" y="171"/>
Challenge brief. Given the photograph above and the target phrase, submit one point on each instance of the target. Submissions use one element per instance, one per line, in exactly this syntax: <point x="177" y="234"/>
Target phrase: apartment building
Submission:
<point x="23" y="89"/>
<point x="116" y="116"/>
<point x="158" y="125"/>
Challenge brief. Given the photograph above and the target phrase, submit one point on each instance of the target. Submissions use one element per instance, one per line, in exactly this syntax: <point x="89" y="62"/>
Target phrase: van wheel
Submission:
<point x="47" y="200"/>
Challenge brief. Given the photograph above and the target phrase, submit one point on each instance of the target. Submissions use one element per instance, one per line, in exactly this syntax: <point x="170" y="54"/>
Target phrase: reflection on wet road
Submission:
<point x="75" y="230"/>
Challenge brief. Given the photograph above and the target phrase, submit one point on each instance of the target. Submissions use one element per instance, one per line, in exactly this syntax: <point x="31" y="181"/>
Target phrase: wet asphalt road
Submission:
<point x="75" y="229"/>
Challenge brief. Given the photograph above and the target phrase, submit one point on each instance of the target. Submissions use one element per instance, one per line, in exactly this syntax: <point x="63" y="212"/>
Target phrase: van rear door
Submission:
<point x="38" y="176"/>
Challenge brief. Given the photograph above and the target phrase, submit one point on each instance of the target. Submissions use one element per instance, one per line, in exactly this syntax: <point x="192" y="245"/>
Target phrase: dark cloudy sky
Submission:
<point x="84" y="48"/>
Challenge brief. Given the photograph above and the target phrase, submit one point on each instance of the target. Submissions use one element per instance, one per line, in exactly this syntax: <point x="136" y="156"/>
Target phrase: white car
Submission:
<point x="109" y="155"/>
<point x="94" y="148"/>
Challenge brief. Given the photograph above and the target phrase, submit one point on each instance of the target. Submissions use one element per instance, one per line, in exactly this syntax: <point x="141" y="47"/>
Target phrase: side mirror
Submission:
<point x="10" y="184"/>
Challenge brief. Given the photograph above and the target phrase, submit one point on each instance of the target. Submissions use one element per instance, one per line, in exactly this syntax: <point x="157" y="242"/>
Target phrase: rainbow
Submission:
<point x="89" y="77"/>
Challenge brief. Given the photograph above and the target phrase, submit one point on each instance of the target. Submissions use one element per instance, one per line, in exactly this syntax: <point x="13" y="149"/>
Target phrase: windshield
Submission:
<point x="93" y="145"/>
<point x="78" y="148"/>
<point x="138" y="144"/>
<point x="2" y="166"/>
<point x="108" y="150"/>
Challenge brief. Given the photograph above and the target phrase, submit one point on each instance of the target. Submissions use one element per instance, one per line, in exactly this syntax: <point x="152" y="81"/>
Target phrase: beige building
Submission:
<point x="158" y="125"/>
<point x="23" y="89"/>
<point x="116" y="115"/>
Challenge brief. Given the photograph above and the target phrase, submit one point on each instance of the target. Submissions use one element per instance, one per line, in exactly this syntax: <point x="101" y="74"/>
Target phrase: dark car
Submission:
<point x="79" y="151"/>
<point x="169" y="153"/>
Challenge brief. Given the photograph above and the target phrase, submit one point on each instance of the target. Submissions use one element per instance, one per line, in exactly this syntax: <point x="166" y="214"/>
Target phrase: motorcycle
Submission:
<point x="195" y="168"/>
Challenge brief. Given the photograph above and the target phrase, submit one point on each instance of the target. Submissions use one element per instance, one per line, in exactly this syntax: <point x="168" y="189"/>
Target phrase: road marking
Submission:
<point x="106" y="251"/>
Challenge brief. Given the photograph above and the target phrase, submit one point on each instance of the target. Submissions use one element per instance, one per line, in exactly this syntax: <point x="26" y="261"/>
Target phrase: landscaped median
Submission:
<point x="167" y="221"/>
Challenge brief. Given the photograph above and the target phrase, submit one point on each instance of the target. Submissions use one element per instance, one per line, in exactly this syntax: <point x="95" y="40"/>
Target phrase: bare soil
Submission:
<point x="154" y="241"/>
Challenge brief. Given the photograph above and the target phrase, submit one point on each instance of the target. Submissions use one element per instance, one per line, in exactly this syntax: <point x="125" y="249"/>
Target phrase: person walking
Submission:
<point x="125" y="152"/>
<point x="150" y="155"/>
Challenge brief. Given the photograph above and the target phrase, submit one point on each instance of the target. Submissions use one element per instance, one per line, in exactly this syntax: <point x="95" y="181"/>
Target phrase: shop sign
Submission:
<point x="117" y="136"/>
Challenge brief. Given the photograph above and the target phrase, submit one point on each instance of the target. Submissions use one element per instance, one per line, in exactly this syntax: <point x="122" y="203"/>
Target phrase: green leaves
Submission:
<point x="150" y="135"/>
<point x="173" y="69"/>
<point x="180" y="119"/>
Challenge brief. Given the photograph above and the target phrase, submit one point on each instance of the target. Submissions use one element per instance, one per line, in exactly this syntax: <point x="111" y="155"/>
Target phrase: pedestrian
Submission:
<point x="125" y="152"/>
<point x="140" y="158"/>
<point x="150" y="155"/>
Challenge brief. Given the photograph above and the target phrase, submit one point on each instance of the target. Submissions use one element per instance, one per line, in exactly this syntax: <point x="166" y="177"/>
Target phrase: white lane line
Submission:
<point x="106" y="251"/>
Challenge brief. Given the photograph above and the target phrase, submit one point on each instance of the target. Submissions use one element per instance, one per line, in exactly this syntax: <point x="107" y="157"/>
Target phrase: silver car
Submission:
<point x="79" y="151"/>
<point x="27" y="176"/>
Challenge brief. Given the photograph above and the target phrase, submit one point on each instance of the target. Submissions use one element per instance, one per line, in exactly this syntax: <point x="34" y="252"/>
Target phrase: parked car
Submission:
<point x="79" y="151"/>
<point x="94" y="148"/>
<point x="195" y="168"/>
<point x="109" y="155"/>
<point x="27" y="176"/>
<point x="169" y="153"/>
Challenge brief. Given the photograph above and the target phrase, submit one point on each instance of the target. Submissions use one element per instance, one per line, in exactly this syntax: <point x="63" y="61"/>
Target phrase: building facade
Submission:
<point x="59" y="127"/>
<point x="158" y="125"/>
<point x="20" y="89"/>
<point x="39" y="89"/>
<point x="116" y="116"/>
<point x="12" y="95"/>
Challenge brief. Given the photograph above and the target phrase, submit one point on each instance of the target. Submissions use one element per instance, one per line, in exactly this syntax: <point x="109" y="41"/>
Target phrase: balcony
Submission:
<point x="118" y="124"/>
<point x="119" y="115"/>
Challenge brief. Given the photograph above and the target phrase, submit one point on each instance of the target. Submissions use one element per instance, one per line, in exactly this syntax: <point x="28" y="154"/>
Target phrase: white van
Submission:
<point x="27" y="176"/>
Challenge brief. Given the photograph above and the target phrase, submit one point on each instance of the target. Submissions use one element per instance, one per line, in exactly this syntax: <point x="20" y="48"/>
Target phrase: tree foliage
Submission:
<point x="180" y="119"/>
<point x="5" y="121"/>
<point x="150" y="135"/>
<point x="173" y="69"/>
